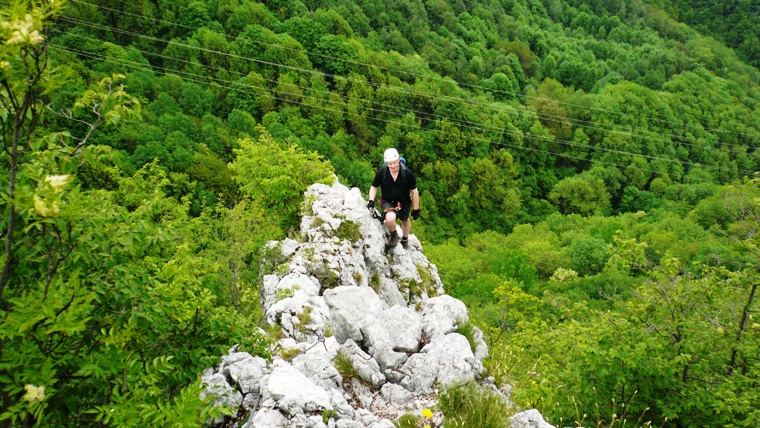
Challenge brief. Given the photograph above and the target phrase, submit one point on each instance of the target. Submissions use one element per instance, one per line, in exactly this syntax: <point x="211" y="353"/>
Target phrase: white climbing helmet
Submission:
<point x="391" y="155"/>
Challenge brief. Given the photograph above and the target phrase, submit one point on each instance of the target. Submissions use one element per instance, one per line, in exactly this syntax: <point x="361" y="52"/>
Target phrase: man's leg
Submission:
<point x="390" y="223"/>
<point x="406" y="227"/>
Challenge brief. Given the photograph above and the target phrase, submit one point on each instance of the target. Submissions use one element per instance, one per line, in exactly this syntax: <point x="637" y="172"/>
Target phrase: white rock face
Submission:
<point x="441" y="315"/>
<point x="529" y="419"/>
<point x="351" y="308"/>
<point x="336" y="295"/>
<point x="294" y="392"/>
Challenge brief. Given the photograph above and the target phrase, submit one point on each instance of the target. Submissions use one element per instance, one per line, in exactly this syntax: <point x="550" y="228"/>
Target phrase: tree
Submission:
<point x="334" y="54"/>
<point x="581" y="194"/>
<point x="274" y="177"/>
<point x="743" y="202"/>
<point x="106" y="315"/>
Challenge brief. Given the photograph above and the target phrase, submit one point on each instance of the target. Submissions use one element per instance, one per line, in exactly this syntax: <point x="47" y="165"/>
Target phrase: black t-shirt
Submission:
<point x="395" y="190"/>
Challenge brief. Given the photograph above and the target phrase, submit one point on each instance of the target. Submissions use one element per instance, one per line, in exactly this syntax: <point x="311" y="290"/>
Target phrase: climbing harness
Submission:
<point x="380" y="216"/>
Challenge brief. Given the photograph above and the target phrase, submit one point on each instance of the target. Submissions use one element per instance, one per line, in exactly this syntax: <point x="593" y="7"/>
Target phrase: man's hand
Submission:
<point x="416" y="214"/>
<point x="370" y="205"/>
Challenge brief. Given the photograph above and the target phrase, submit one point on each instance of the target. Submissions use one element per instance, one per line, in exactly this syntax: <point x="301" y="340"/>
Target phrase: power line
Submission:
<point x="465" y="123"/>
<point x="482" y="128"/>
<point x="664" y="121"/>
<point x="329" y="75"/>
<point x="513" y="133"/>
<point x="213" y="80"/>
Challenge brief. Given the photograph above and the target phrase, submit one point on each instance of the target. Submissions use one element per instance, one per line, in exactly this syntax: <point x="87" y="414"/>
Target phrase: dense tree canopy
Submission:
<point x="586" y="172"/>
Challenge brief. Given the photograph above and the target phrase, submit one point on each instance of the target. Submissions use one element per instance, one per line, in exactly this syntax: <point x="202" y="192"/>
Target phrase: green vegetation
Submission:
<point x="289" y="353"/>
<point x="327" y="414"/>
<point x="374" y="282"/>
<point x="426" y="278"/>
<point x="344" y="366"/>
<point x="407" y="421"/>
<point x="585" y="168"/>
<point x="658" y="307"/>
<point x="326" y="276"/>
<point x="471" y="405"/>
<point x="467" y="329"/>
<point x="349" y="230"/>
<point x="284" y="293"/>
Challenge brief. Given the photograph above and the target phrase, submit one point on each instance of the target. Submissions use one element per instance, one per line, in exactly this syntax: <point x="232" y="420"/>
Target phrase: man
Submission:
<point x="396" y="182"/>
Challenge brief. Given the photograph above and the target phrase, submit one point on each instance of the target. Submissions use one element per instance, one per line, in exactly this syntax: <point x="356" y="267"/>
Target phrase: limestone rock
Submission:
<point x="334" y="292"/>
<point x="529" y="419"/>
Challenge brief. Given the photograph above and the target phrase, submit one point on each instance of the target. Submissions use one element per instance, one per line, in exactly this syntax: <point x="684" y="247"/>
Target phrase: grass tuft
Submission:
<point x="345" y="368"/>
<point x="471" y="405"/>
<point x="468" y="330"/>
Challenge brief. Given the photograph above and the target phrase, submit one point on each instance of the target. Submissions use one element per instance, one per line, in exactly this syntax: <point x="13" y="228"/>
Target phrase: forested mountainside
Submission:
<point x="587" y="174"/>
<point x="735" y="23"/>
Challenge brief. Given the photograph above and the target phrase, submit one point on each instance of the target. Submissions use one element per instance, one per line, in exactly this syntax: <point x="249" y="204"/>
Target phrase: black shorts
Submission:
<point x="402" y="215"/>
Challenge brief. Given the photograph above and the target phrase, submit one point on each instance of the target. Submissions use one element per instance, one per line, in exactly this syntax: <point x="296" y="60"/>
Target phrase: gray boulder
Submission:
<point x="529" y="419"/>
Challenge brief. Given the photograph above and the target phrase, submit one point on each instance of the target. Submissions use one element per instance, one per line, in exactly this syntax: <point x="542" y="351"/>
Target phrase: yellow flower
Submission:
<point x="34" y="394"/>
<point x="427" y="413"/>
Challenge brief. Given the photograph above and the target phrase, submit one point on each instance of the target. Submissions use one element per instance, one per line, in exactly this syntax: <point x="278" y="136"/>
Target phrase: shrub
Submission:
<point x="564" y="275"/>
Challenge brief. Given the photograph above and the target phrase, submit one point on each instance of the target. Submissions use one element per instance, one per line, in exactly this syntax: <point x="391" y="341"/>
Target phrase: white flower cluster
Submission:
<point x="57" y="181"/>
<point x="563" y="275"/>
<point x="34" y="394"/>
<point x="23" y="32"/>
<point x="50" y="208"/>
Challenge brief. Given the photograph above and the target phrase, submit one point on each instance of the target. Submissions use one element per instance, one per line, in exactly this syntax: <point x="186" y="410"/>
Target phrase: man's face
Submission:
<point x="393" y="166"/>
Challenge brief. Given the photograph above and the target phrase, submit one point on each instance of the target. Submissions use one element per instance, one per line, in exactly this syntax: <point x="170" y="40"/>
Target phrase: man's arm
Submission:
<point x="415" y="199"/>
<point x="373" y="193"/>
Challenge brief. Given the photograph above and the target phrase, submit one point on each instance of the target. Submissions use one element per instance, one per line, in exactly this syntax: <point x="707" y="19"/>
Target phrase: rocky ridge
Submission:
<point x="366" y="336"/>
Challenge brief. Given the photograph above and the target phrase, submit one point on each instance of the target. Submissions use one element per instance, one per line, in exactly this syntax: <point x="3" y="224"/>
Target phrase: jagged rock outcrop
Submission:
<point x="345" y="307"/>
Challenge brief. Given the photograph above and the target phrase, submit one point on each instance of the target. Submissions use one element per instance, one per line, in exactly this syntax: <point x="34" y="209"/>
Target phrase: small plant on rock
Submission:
<point x="427" y="282"/>
<point x="344" y="366"/>
<point x="304" y="318"/>
<point x="327" y="277"/>
<point x="327" y="414"/>
<point x="349" y="230"/>
<point x="289" y="353"/>
<point x="471" y="405"/>
<point x="467" y="329"/>
<point x="317" y="222"/>
<point x="307" y="203"/>
<point x="413" y="421"/>
<point x="284" y="293"/>
<point x="374" y="283"/>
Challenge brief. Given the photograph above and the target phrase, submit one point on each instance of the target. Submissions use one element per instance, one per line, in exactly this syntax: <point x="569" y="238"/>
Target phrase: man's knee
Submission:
<point x="390" y="216"/>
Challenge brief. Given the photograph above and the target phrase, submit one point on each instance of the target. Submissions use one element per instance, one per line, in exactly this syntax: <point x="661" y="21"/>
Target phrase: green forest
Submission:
<point x="588" y="176"/>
